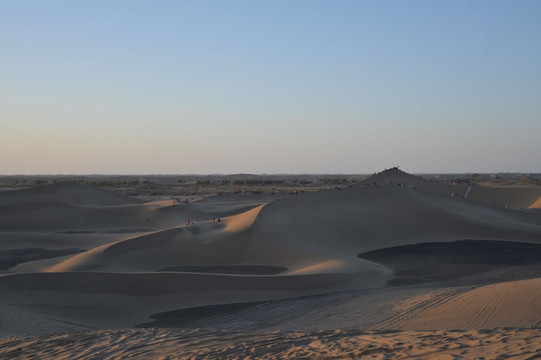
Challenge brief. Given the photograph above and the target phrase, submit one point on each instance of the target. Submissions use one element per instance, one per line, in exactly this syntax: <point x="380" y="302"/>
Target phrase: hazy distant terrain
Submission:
<point x="237" y="183"/>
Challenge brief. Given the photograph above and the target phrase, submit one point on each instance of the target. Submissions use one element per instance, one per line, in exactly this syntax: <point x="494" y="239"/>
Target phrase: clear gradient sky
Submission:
<point x="124" y="87"/>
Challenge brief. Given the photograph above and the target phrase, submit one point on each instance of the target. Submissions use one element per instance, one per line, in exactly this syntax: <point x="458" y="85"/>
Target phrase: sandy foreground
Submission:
<point x="387" y="268"/>
<point x="329" y="344"/>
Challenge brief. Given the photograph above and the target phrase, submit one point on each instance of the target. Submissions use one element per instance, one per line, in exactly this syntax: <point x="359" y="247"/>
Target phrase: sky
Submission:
<point x="296" y="86"/>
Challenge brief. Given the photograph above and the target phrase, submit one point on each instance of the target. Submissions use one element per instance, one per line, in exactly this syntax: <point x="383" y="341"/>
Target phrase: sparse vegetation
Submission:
<point x="193" y="185"/>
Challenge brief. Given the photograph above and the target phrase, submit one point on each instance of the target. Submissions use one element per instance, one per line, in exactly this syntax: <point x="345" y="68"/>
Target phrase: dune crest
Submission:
<point x="536" y="204"/>
<point x="241" y="222"/>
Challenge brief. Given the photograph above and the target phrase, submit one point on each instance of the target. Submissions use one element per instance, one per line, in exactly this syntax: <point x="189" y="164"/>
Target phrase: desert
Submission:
<point x="389" y="265"/>
<point x="277" y="179"/>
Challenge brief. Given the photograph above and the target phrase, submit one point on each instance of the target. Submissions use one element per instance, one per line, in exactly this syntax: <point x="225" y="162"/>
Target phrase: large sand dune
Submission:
<point x="79" y="258"/>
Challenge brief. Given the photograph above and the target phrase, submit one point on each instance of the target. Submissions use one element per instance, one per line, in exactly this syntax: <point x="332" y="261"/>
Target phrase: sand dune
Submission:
<point x="509" y="304"/>
<point x="336" y="344"/>
<point x="207" y="243"/>
<point x="66" y="193"/>
<point x="79" y="258"/>
<point x="76" y="207"/>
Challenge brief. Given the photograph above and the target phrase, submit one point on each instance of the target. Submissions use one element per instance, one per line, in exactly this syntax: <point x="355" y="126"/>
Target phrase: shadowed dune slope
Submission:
<point x="66" y="193"/>
<point x="65" y="207"/>
<point x="444" y="261"/>
<point x="510" y="197"/>
<point x="75" y="207"/>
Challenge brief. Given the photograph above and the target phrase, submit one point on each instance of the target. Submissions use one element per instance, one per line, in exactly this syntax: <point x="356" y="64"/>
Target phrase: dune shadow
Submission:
<point x="10" y="258"/>
<point x="230" y="269"/>
<point x="184" y="317"/>
<point x="429" y="262"/>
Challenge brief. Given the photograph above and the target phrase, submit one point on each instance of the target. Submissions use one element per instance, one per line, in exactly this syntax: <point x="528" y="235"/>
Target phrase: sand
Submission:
<point x="333" y="344"/>
<point x="387" y="268"/>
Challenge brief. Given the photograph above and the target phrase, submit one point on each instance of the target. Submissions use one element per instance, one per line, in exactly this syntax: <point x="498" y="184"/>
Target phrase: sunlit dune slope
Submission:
<point x="512" y="304"/>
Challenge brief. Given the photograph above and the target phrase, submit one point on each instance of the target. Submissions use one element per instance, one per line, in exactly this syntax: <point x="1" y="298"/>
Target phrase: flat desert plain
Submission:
<point x="393" y="266"/>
